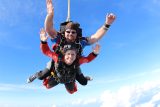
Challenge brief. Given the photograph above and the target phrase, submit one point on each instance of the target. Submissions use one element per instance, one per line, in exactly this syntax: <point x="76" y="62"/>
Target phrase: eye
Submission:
<point x="67" y="31"/>
<point x="73" y="32"/>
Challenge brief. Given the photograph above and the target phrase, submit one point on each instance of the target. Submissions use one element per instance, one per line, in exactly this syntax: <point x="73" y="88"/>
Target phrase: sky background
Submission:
<point x="125" y="74"/>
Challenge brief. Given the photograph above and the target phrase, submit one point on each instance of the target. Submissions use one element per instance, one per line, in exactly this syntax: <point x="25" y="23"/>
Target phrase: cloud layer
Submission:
<point x="144" y="95"/>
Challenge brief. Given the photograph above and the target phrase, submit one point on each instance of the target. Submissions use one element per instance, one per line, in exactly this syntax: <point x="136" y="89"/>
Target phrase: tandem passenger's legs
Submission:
<point x="40" y="75"/>
<point x="83" y="80"/>
<point x="50" y="82"/>
<point x="43" y="73"/>
<point x="71" y="87"/>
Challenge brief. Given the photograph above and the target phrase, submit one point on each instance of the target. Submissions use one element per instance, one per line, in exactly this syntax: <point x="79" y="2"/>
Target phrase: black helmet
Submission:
<point x="70" y="46"/>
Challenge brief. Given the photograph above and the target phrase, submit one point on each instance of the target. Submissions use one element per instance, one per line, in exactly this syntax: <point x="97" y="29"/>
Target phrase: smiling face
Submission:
<point x="70" y="35"/>
<point x="70" y="56"/>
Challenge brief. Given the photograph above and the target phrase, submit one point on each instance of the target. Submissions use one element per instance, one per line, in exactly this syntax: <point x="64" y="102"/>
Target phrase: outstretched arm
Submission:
<point x="91" y="56"/>
<point x="102" y="30"/>
<point x="44" y="46"/>
<point x="49" y="20"/>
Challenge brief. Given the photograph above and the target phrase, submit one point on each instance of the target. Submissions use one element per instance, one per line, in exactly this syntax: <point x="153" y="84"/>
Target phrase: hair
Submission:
<point x="71" y="25"/>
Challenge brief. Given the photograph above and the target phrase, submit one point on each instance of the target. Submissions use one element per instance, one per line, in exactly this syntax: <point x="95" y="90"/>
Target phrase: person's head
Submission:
<point x="70" y="54"/>
<point x="71" y="30"/>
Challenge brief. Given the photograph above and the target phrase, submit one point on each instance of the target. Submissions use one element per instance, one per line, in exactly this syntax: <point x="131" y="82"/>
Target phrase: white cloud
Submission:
<point x="156" y="70"/>
<point x="151" y="103"/>
<point x="144" y="95"/>
<point x="54" y="106"/>
<point x="145" y="75"/>
<point x="77" y="102"/>
<point x="132" y="95"/>
<point x="91" y="100"/>
<point x="84" y="102"/>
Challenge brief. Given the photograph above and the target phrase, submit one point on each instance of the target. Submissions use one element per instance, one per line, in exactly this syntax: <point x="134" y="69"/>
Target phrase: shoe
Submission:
<point x="31" y="79"/>
<point x="89" y="78"/>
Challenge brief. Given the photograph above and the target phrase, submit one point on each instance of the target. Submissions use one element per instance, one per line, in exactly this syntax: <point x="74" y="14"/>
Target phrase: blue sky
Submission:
<point x="125" y="74"/>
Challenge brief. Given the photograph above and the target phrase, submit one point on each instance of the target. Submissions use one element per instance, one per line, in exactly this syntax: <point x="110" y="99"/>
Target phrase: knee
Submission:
<point x="45" y="83"/>
<point x="72" y="90"/>
<point x="48" y="86"/>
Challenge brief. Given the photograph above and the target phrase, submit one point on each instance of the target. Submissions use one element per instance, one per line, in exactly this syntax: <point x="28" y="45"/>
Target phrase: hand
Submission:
<point x="49" y="6"/>
<point x="43" y="36"/>
<point x="110" y="18"/>
<point x="96" y="49"/>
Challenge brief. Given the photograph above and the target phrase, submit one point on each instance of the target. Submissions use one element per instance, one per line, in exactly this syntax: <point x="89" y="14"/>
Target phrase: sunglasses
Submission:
<point x="73" y="32"/>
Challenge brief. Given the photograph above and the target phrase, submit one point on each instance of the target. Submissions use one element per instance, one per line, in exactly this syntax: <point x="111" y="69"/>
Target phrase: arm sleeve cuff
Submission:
<point x="43" y="42"/>
<point x="94" y="54"/>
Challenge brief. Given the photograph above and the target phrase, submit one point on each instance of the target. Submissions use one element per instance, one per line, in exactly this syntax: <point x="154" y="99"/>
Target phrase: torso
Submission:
<point x="65" y="73"/>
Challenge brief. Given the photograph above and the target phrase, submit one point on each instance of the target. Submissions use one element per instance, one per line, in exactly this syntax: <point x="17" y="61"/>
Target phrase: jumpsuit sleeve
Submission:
<point x="87" y="59"/>
<point x="45" y="50"/>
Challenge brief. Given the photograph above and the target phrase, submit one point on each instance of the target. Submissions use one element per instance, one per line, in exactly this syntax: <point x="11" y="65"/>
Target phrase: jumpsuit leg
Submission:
<point x="46" y="72"/>
<point x="50" y="82"/>
<point x="71" y="87"/>
<point x="80" y="77"/>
